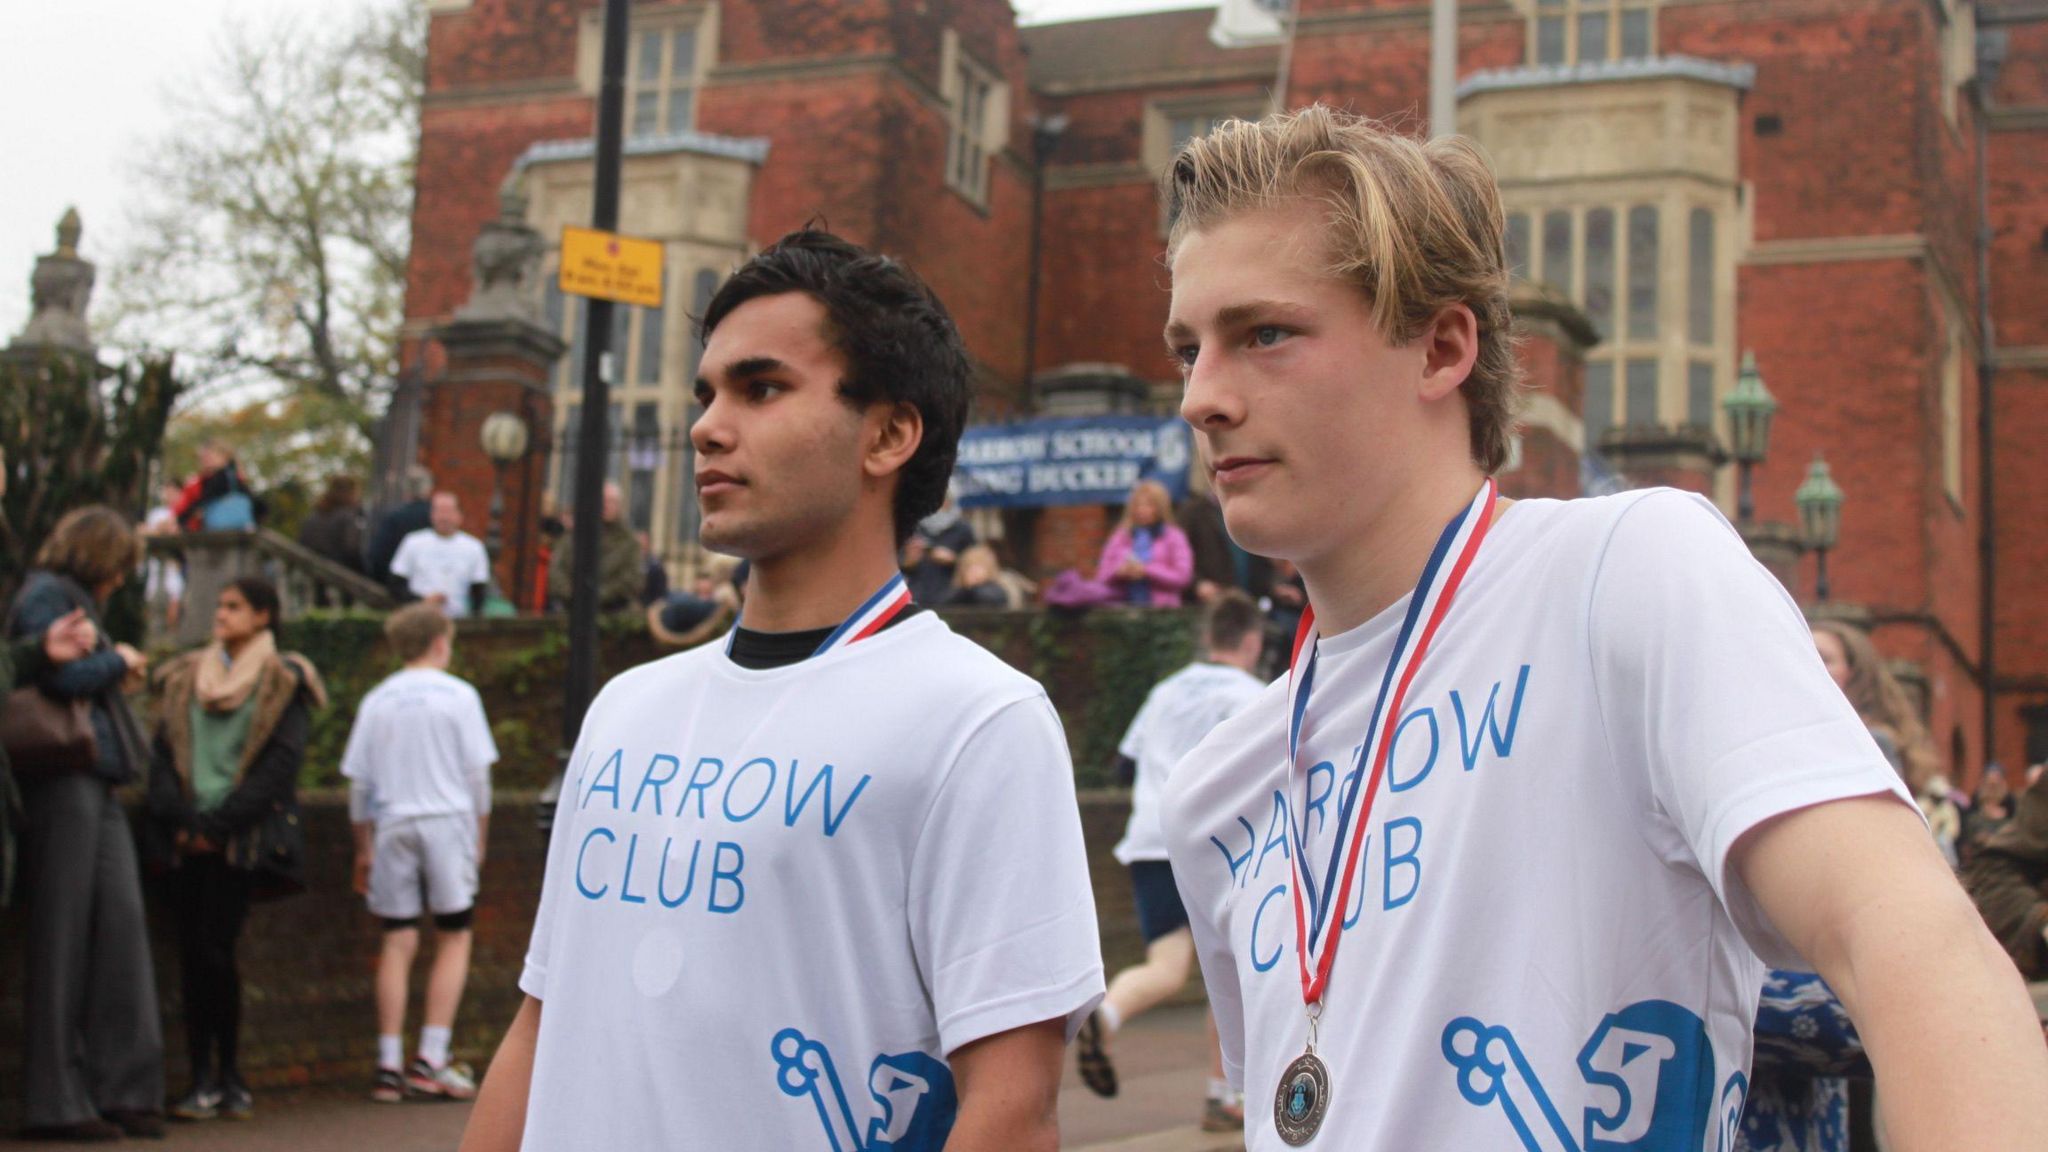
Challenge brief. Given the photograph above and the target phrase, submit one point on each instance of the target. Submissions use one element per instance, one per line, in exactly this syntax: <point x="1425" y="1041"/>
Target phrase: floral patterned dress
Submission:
<point x="1806" y="1051"/>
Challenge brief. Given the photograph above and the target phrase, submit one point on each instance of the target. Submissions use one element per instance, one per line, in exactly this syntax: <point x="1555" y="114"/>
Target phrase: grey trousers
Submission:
<point x="94" y="1041"/>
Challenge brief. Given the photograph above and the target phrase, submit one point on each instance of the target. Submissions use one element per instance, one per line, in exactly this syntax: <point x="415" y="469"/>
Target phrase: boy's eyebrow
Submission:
<point x="1228" y="317"/>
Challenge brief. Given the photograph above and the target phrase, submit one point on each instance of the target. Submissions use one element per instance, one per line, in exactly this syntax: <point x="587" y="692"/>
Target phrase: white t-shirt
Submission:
<point x="1544" y="932"/>
<point x="1178" y="712"/>
<point x="421" y="746"/>
<point x="431" y="562"/>
<point x="776" y="899"/>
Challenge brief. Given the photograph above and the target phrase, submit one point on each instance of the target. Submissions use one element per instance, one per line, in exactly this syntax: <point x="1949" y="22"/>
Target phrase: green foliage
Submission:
<point x="347" y="647"/>
<point x="1128" y="651"/>
<point x="75" y="434"/>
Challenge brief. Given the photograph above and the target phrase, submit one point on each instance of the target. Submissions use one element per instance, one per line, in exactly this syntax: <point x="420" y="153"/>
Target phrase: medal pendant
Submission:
<point x="1302" y="1098"/>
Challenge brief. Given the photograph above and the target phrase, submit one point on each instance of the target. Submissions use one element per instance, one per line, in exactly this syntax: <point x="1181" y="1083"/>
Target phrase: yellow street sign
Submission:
<point x="608" y="266"/>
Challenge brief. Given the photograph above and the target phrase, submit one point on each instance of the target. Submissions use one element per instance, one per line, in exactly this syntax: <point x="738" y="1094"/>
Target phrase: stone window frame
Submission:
<point x="1158" y="142"/>
<point x="1566" y="17"/>
<point x="977" y="100"/>
<point x="1682" y="362"/>
<point x="701" y="19"/>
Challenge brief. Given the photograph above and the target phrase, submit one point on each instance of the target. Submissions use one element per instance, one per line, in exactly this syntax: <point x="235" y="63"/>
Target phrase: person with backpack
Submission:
<point x="218" y="500"/>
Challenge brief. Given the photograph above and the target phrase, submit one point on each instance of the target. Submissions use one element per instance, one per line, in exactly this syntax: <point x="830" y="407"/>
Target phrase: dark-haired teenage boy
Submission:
<point x="821" y="885"/>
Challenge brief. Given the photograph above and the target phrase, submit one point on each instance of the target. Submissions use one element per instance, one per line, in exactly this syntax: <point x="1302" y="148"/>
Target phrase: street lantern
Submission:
<point x="1820" y="513"/>
<point x="1750" y="408"/>
<point x="504" y="440"/>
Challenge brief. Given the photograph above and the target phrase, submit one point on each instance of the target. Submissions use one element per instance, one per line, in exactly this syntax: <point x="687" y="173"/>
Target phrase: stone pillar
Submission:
<point x="1778" y="548"/>
<point x="1684" y="457"/>
<point x="1553" y="338"/>
<point x="499" y="357"/>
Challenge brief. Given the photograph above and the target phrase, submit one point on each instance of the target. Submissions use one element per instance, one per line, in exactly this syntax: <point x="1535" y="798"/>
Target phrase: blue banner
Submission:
<point x="1073" y="460"/>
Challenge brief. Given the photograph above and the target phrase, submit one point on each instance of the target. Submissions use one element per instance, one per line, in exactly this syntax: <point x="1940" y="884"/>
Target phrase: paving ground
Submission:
<point x="1161" y="1059"/>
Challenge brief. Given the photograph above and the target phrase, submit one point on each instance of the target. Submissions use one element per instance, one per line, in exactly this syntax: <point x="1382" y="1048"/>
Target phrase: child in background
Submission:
<point x="419" y="764"/>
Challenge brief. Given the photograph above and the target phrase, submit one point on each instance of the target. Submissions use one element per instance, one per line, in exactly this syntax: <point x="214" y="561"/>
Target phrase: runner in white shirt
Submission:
<point x="443" y="564"/>
<point x="821" y="886"/>
<point x="1176" y="714"/>
<point x="419" y="768"/>
<point x="1551" y="774"/>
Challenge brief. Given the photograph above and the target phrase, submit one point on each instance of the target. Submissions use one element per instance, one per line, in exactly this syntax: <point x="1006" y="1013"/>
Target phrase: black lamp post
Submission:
<point x="1750" y="408"/>
<point x="504" y="441"/>
<point x="1820" y="512"/>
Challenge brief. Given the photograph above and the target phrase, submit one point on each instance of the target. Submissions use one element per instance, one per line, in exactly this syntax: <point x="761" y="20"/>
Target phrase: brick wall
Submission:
<point x="309" y="962"/>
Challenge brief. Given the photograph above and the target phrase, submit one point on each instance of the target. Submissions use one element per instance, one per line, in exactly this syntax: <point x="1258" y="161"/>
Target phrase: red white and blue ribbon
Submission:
<point x="871" y="617"/>
<point x="1318" y="909"/>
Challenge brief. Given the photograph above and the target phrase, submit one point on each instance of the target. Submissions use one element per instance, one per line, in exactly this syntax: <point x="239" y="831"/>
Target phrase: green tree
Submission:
<point x="274" y="221"/>
<point x="72" y="436"/>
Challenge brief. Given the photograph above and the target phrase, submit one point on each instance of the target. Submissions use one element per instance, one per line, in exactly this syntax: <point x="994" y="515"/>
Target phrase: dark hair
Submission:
<point x="91" y="545"/>
<point x="262" y="596"/>
<point x="1229" y="620"/>
<point x="899" y="343"/>
<point x="340" y="493"/>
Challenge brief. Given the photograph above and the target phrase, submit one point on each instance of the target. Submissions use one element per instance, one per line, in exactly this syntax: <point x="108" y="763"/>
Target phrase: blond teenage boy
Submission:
<point x="419" y="766"/>
<point x="1554" y="773"/>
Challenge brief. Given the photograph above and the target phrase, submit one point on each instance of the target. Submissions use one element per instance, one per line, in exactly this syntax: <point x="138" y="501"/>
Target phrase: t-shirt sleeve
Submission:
<point x="1133" y="744"/>
<point x="479" y="750"/>
<point x="402" y="561"/>
<point x="561" y="866"/>
<point x="355" y="757"/>
<point x="1002" y="918"/>
<point x="479" y="563"/>
<point x="1707" y="677"/>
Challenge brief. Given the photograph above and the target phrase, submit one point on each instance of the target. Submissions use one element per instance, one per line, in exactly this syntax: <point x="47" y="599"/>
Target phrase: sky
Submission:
<point x="68" y="130"/>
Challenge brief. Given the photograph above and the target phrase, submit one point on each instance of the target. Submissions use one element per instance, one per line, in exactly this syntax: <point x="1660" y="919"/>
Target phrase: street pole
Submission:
<point x="594" y="432"/>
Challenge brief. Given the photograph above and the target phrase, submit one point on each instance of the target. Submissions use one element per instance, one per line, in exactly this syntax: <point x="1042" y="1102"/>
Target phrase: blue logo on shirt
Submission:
<point x="913" y="1094"/>
<point x="1651" y="1068"/>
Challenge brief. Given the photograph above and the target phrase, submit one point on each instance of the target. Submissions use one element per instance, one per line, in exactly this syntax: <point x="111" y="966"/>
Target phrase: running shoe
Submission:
<point x="1223" y="1115"/>
<point x="201" y="1103"/>
<point x="389" y="1087"/>
<point x="1092" y="1058"/>
<point x="451" y="1081"/>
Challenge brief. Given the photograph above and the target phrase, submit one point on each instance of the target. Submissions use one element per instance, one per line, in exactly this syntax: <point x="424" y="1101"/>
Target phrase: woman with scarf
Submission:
<point x="223" y="817"/>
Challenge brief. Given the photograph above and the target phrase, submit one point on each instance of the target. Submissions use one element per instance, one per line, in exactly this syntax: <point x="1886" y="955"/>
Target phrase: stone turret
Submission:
<point x="60" y="288"/>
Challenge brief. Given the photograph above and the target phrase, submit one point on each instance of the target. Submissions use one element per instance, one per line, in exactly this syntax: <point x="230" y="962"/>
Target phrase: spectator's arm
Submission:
<point x="271" y="778"/>
<point x="479" y="595"/>
<point x="1173" y="562"/>
<point x="166" y="800"/>
<point x="497" y="1123"/>
<point x="1115" y="551"/>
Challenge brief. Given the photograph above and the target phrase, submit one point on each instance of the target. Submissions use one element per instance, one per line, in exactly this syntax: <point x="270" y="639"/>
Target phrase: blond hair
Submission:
<point x="413" y="629"/>
<point x="1417" y="225"/>
<point x="1881" y="701"/>
<point x="1162" y="500"/>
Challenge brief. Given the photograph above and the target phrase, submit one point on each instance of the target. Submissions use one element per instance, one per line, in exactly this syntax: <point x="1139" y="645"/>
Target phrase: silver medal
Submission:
<point x="1301" y="1100"/>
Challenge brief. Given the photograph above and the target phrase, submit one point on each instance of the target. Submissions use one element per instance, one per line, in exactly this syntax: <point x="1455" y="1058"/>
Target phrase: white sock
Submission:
<point x="1220" y="1090"/>
<point x="391" y="1052"/>
<point x="434" y="1045"/>
<point x="1111" y="1018"/>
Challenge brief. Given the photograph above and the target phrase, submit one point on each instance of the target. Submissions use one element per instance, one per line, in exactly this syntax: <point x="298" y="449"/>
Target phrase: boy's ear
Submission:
<point x="894" y="433"/>
<point x="1450" y="347"/>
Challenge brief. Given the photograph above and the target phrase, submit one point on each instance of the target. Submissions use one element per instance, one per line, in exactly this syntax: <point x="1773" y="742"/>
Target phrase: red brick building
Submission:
<point x="1687" y="181"/>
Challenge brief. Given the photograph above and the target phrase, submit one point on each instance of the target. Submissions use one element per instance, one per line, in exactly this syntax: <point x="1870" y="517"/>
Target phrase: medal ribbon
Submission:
<point x="871" y="617"/>
<point x="1316" y="936"/>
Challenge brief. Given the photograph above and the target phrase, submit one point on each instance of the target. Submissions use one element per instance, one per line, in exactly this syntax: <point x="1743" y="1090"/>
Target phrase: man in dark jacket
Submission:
<point x="2005" y="880"/>
<point x="394" y="526"/>
<point x="620" y="569"/>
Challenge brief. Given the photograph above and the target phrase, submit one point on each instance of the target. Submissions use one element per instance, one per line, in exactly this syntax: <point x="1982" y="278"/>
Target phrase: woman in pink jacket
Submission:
<point x="1147" y="559"/>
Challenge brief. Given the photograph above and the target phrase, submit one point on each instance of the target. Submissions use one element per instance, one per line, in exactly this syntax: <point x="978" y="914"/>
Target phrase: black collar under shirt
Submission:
<point x="759" y="651"/>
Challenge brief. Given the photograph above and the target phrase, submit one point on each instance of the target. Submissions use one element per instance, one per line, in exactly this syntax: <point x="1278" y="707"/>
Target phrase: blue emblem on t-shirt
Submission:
<point x="1651" y="1067"/>
<point x="913" y="1094"/>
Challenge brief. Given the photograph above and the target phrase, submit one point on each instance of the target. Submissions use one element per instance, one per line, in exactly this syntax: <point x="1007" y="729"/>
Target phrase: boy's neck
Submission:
<point x="1358" y="577"/>
<point x="426" y="664"/>
<point x="819" y="585"/>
